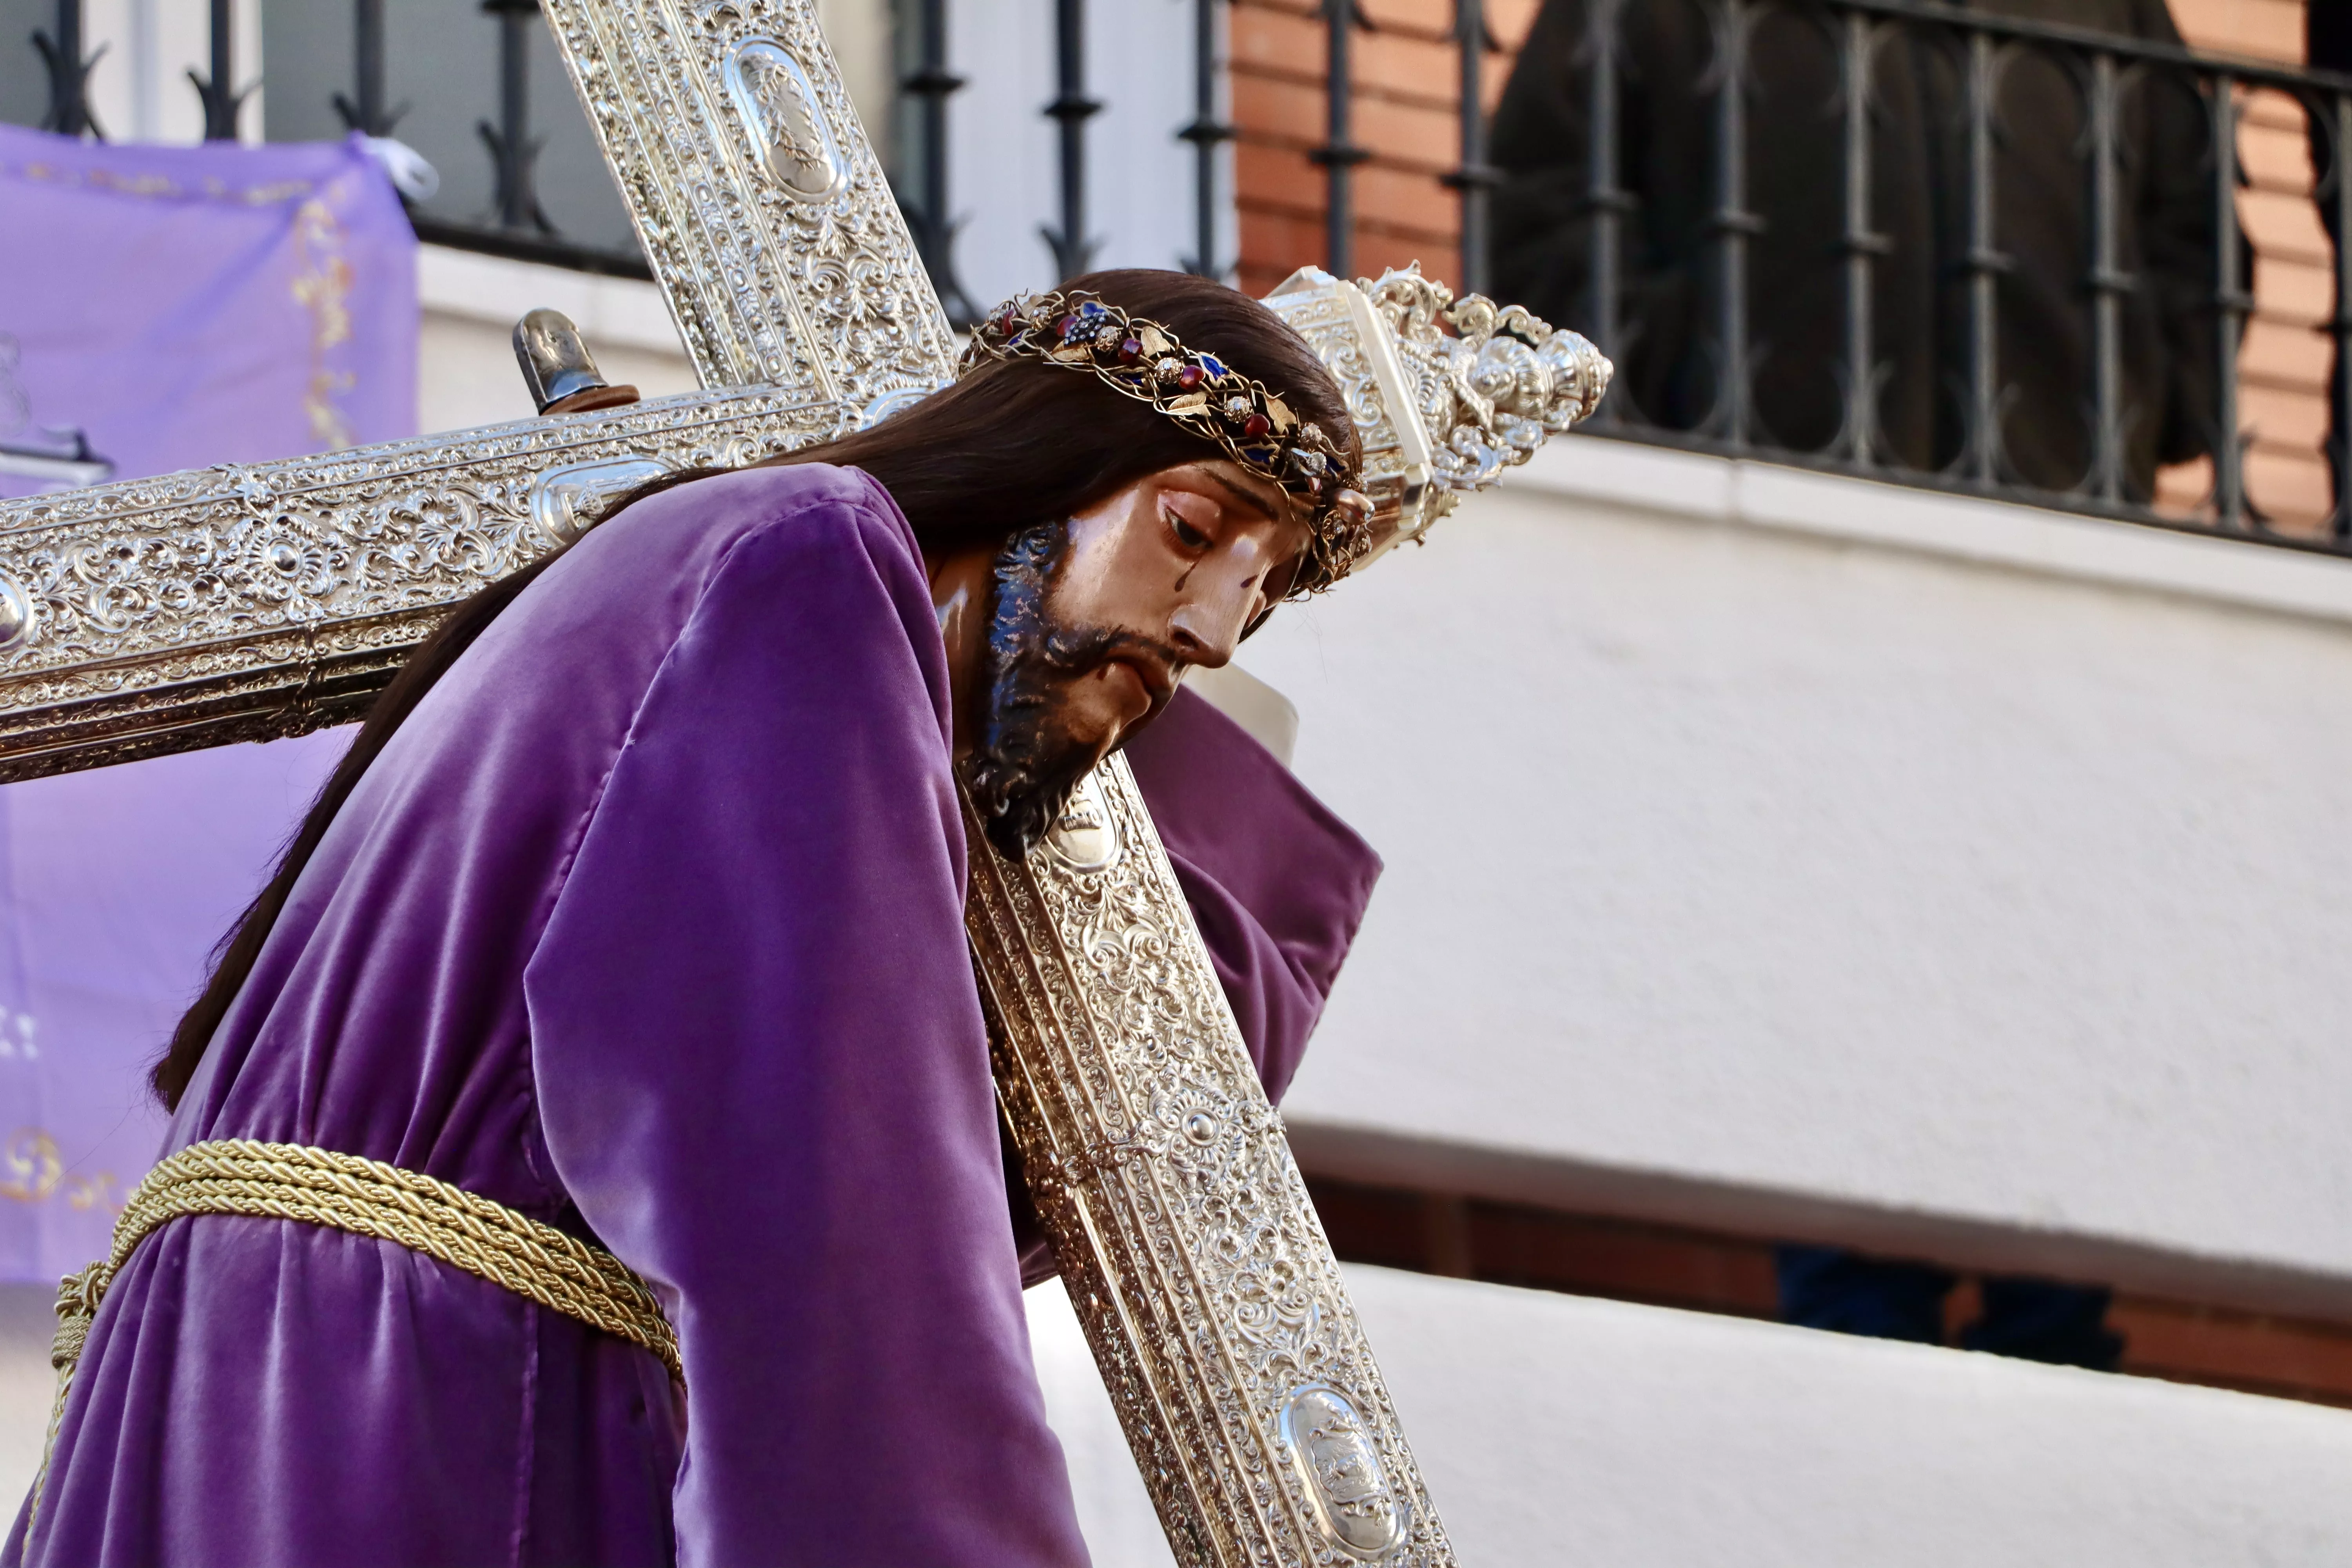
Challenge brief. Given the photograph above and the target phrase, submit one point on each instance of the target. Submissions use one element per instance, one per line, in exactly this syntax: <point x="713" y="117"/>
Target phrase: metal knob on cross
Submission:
<point x="557" y="368"/>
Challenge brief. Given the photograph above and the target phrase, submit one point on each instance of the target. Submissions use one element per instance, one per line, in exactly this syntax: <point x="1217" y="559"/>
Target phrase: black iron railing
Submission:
<point x="1073" y="248"/>
<point x="1979" y="406"/>
<point x="1339" y="154"/>
<point x="1207" y="132"/>
<point x="922" y="183"/>
<point x="323" y="89"/>
<point x="1733" y="334"/>
<point x="223" y="100"/>
<point x="69" y="68"/>
<point x="363" y="109"/>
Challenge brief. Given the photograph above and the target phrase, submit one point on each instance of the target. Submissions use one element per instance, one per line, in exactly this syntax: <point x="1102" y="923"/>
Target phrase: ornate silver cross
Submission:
<point x="252" y="600"/>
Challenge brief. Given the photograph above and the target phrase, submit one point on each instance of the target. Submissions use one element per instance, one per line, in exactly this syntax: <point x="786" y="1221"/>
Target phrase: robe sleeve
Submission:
<point x="1277" y="882"/>
<point x="763" y="1077"/>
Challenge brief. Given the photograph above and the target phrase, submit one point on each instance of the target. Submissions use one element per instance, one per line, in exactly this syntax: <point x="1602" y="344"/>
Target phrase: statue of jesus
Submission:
<point x="614" y="1003"/>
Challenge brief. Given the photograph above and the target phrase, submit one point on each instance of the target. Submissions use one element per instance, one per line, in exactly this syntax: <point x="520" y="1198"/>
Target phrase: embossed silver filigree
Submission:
<point x="778" y="106"/>
<point x="757" y="196"/>
<point x="255" y="600"/>
<point x="1337" y="1456"/>
<point x="1440" y="414"/>
<point x="1195" y="1261"/>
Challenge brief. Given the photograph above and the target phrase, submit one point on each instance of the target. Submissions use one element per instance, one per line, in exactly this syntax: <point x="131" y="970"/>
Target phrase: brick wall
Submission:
<point x="2284" y="363"/>
<point x="1406" y="96"/>
<point x="1406" y="99"/>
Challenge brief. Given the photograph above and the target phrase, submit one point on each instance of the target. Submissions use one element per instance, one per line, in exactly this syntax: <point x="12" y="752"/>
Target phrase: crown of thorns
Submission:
<point x="1143" y="360"/>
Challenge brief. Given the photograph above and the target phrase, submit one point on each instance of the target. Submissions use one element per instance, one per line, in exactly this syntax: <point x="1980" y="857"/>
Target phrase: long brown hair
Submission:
<point x="1006" y="448"/>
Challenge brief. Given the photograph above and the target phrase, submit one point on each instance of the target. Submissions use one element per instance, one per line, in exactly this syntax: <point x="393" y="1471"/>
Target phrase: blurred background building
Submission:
<point x="1864" y="823"/>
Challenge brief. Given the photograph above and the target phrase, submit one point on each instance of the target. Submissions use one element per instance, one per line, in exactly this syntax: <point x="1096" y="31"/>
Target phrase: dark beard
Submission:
<point x="1026" y="762"/>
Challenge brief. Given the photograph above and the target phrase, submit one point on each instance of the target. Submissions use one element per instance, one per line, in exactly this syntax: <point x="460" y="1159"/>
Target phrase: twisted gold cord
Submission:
<point x="366" y="1198"/>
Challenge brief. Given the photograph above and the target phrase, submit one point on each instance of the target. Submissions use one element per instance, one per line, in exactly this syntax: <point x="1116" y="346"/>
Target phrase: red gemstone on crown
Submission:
<point x="1130" y="350"/>
<point x="1255" y="426"/>
<point x="1191" y="376"/>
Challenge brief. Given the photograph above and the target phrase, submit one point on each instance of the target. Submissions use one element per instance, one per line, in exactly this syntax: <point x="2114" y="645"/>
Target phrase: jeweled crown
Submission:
<point x="1254" y="425"/>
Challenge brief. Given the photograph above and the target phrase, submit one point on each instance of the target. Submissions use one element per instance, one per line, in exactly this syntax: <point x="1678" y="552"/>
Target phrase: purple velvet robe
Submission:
<point x="648" y="923"/>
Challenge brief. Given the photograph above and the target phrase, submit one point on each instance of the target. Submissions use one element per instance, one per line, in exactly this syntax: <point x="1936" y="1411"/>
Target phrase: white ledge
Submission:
<point x="621" y="311"/>
<point x="1554" y="1429"/>
<point x="1988" y="533"/>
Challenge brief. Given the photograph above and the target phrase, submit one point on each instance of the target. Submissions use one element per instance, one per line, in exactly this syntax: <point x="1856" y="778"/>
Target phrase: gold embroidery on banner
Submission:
<point x="37" y="1173"/>
<point x="32" y="1160"/>
<point x="162" y="187"/>
<point x="99" y="1191"/>
<point x="322" y="286"/>
<point x="322" y="278"/>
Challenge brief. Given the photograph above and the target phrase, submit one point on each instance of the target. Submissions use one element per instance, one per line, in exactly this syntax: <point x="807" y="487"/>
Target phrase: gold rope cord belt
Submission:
<point x="366" y="1198"/>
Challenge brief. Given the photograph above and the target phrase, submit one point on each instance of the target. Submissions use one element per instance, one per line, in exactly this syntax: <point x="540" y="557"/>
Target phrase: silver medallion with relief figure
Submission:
<point x="1085" y="838"/>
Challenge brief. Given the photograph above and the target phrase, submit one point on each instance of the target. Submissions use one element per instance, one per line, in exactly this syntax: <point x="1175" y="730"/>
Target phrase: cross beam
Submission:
<point x="249" y="600"/>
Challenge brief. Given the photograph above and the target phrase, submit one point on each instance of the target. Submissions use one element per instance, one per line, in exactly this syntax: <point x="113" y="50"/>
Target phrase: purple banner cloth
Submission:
<point x="160" y="308"/>
<point x="185" y="306"/>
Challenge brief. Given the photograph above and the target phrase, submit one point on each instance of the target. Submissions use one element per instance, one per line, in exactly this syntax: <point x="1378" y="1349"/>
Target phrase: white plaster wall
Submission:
<point x="1748" y="845"/>
<point x="1557" y="1430"/>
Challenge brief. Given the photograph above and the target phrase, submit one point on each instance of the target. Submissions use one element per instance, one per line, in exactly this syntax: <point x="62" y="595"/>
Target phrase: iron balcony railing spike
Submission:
<point x="1073" y="248"/>
<point x="1608" y="201"/>
<point x="364" y="109"/>
<point x="931" y="84"/>
<point x="223" y="100"/>
<point x="1983" y="266"/>
<point x="1339" y="154"/>
<point x="1472" y="179"/>
<point x="514" y="151"/>
<point x="2339" y="326"/>
<point x="2232" y="304"/>
<point x="1207" y="132"/>
<point x="1863" y="246"/>
<point x="2109" y="283"/>
<point x="67" y="70"/>
<point x="1732" y="223"/>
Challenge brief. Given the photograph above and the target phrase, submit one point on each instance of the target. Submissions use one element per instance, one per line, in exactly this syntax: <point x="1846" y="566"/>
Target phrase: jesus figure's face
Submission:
<point x="1072" y="637"/>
